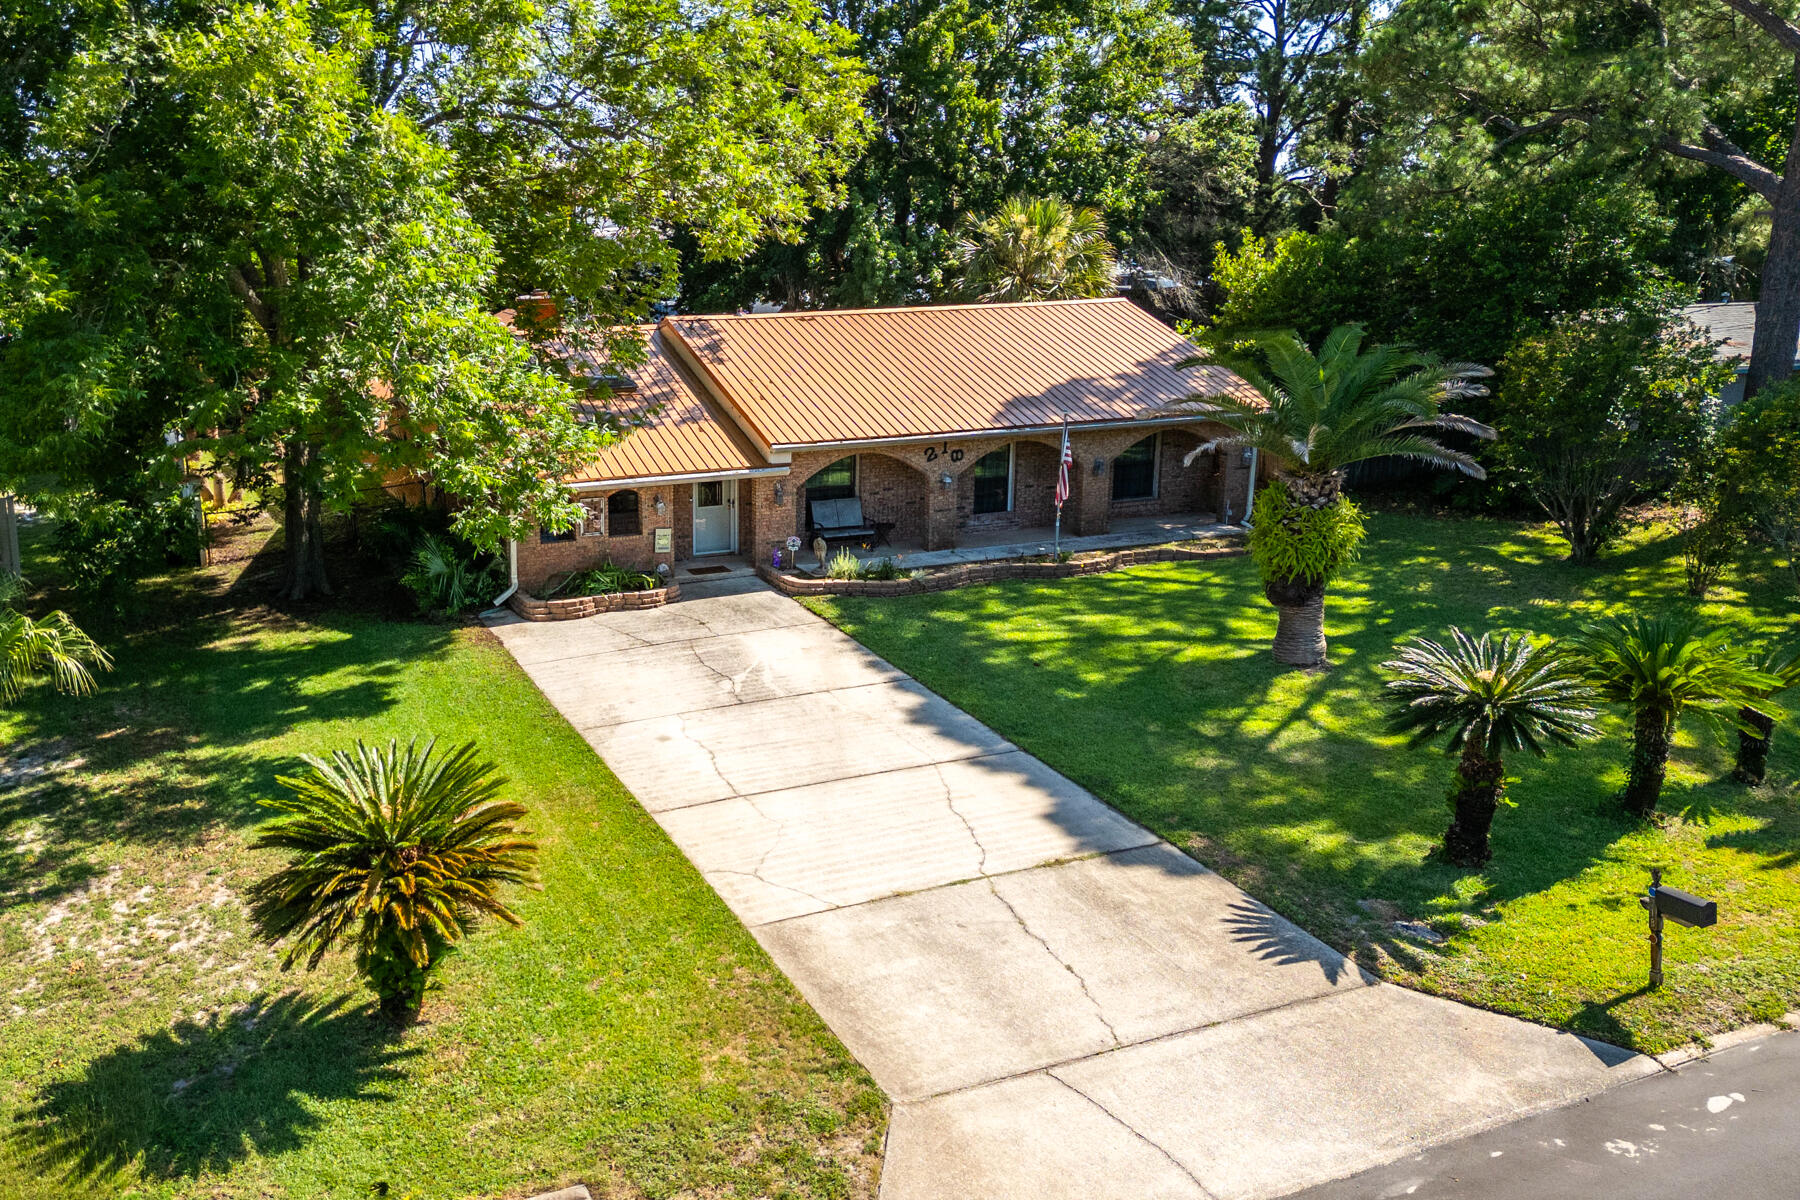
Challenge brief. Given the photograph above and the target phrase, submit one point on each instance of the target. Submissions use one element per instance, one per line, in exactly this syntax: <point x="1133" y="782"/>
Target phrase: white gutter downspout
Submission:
<point x="512" y="557"/>
<point x="1250" y="493"/>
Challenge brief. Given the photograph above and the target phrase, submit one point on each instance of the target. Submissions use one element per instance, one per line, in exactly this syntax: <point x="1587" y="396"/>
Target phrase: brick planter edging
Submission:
<point x="568" y="608"/>
<point x="966" y="574"/>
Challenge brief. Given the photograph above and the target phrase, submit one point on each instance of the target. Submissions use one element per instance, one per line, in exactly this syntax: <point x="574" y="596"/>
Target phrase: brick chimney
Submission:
<point x="536" y="312"/>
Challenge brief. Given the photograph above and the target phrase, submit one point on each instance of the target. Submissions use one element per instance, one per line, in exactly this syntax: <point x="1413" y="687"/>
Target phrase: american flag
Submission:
<point x="1062" y="468"/>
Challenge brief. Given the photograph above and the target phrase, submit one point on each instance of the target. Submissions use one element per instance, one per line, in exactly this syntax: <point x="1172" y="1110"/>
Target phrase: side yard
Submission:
<point x="1154" y="688"/>
<point x="631" y="1034"/>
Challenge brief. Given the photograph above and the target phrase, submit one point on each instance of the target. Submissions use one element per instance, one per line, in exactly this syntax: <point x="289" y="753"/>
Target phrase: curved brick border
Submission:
<point x="945" y="578"/>
<point x="568" y="608"/>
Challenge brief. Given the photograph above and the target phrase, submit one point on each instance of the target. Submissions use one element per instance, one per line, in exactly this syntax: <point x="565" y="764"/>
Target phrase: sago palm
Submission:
<point x="1756" y="720"/>
<point x="396" y="853"/>
<point x="1043" y="249"/>
<point x="1658" y="667"/>
<point x="1310" y="417"/>
<point x="1485" y="697"/>
<point x="52" y="648"/>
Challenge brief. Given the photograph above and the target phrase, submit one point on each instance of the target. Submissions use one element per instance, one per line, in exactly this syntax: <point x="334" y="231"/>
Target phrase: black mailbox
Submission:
<point x="1685" y="908"/>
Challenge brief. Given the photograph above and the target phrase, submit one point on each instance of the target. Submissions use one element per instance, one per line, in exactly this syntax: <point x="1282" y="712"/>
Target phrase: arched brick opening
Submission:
<point x="890" y="490"/>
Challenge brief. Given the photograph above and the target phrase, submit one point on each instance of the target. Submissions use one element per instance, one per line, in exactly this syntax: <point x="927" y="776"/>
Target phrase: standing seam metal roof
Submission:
<point x="801" y="379"/>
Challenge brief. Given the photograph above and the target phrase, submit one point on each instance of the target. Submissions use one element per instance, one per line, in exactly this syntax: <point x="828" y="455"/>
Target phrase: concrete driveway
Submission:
<point x="1059" y="1003"/>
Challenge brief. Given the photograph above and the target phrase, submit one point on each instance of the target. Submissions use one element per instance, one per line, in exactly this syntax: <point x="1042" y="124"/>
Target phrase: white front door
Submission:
<point x="715" y="516"/>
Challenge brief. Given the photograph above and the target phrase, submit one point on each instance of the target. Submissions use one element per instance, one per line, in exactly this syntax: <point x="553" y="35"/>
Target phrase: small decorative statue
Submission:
<point x="777" y="558"/>
<point x="819" y="549"/>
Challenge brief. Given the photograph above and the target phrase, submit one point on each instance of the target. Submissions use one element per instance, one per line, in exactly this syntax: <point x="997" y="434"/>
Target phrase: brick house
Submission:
<point x="941" y="420"/>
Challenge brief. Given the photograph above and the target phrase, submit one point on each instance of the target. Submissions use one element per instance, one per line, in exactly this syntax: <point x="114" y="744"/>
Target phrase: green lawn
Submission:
<point x="631" y="1034"/>
<point x="1154" y="688"/>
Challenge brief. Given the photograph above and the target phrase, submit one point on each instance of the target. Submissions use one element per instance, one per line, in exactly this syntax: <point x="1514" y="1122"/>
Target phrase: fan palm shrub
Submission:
<point x="1658" y="667"/>
<point x="395" y="853"/>
<point x="1036" y="249"/>
<point x="52" y="648"/>
<point x="1484" y="698"/>
<point x="1310" y="417"/>
<point x="1756" y="720"/>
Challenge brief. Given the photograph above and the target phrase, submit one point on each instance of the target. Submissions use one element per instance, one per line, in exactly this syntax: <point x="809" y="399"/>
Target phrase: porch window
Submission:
<point x="836" y="482"/>
<point x="993" y="481"/>
<point x="1134" y="471"/>
<point x="547" y="536"/>
<point x="622" y="514"/>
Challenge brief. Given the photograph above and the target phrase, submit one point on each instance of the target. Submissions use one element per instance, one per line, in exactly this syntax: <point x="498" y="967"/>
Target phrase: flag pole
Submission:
<point x="1062" y="482"/>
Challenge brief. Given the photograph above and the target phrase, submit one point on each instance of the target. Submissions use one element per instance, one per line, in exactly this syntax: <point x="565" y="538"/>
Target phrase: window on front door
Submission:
<point x="710" y="494"/>
<point x="1134" y="472"/>
<point x="993" y="481"/>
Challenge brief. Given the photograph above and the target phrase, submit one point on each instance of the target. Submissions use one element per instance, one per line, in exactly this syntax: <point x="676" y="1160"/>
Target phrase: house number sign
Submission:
<point x="932" y="453"/>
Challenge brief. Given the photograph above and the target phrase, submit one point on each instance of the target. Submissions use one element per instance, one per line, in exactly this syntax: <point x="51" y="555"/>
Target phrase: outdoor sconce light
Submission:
<point x="945" y="479"/>
<point x="780" y="492"/>
<point x="1099" y="466"/>
<point x="1248" y="456"/>
<point x="661" y="506"/>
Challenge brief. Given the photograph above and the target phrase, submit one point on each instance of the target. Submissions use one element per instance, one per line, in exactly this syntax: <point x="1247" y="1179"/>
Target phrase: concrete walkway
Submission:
<point x="1059" y="1003"/>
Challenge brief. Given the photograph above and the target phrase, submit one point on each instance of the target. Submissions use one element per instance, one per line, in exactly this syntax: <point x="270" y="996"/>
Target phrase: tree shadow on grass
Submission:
<point x="198" y="1097"/>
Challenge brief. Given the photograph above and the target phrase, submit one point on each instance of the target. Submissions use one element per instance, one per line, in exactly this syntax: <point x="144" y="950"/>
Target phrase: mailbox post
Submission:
<point x="1683" y="908"/>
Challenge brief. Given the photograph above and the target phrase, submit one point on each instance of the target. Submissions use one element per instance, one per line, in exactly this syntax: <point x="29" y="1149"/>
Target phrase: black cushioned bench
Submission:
<point x="840" y="520"/>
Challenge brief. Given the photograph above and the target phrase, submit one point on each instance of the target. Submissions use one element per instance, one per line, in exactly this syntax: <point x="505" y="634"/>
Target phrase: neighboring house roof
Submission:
<point x="869" y="375"/>
<point x="1735" y="322"/>
<point x="672" y="427"/>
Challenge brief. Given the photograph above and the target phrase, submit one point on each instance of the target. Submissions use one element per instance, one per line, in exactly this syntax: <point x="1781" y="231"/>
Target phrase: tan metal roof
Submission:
<point x="802" y="379"/>
<point x="673" y="427"/>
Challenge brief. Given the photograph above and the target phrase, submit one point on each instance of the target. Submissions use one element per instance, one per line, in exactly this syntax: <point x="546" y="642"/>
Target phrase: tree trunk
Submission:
<point x="1480" y="783"/>
<point x="1778" y="300"/>
<point x="1753" y="748"/>
<point x="1649" y="760"/>
<point x="303" y="525"/>
<point x="1300" y="629"/>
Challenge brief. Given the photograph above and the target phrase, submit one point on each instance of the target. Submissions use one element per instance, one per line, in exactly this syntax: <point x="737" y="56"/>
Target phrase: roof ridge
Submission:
<point x="898" y="308"/>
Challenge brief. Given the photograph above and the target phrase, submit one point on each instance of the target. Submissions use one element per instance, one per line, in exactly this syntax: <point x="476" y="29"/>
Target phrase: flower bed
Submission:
<point x="942" y="579"/>
<point x="568" y="608"/>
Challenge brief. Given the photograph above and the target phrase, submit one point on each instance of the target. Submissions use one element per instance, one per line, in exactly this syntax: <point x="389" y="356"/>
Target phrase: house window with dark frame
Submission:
<point x="1134" y="471"/>
<point x="548" y="536"/>
<point x="622" y="518"/>
<point x="993" y="481"/>
<point x="835" y="482"/>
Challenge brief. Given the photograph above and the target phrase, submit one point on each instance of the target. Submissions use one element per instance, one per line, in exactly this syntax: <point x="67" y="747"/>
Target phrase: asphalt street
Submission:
<point x="1724" y="1126"/>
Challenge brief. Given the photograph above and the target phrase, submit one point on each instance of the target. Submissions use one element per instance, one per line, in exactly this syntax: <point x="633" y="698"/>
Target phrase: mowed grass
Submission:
<point x="630" y="1035"/>
<point x="1154" y="688"/>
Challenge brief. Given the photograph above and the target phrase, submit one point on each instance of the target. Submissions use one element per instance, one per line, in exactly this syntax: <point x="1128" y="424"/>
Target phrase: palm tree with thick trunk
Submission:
<point x="1310" y="417"/>
<point x="1659" y="667"/>
<point x="1043" y="249"/>
<point x="1485" y="697"/>
<point x="1756" y="720"/>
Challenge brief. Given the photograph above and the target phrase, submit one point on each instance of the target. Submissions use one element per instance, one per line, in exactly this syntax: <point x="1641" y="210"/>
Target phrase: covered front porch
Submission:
<point x="976" y="545"/>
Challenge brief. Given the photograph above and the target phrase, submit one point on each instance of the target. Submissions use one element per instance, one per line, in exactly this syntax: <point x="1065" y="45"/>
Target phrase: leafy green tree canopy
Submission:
<point x="1036" y="249"/>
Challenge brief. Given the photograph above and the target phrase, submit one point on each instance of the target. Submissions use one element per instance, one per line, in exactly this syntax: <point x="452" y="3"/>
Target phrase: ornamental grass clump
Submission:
<point x="395" y="853"/>
<point x="843" y="565"/>
<point x="1485" y="697"/>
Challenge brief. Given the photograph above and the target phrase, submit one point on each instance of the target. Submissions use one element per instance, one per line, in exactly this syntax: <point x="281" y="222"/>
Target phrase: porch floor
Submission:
<point x="990" y="544"/>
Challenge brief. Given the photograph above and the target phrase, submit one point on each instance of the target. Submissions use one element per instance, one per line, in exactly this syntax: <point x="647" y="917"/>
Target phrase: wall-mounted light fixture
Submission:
<point x="1099" y="466"/>
<point x="946" y="479"/>
<point x="780" y="492"/>
<point x="662" y="505"/>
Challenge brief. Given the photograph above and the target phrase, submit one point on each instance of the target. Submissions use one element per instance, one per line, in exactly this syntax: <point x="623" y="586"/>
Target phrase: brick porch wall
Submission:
<point x="538" y="561"/>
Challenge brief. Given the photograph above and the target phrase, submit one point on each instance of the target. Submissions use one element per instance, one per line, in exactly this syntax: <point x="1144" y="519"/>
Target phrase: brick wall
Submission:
<point x="539" y="561"/>
<point x="1179" y="489"/>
